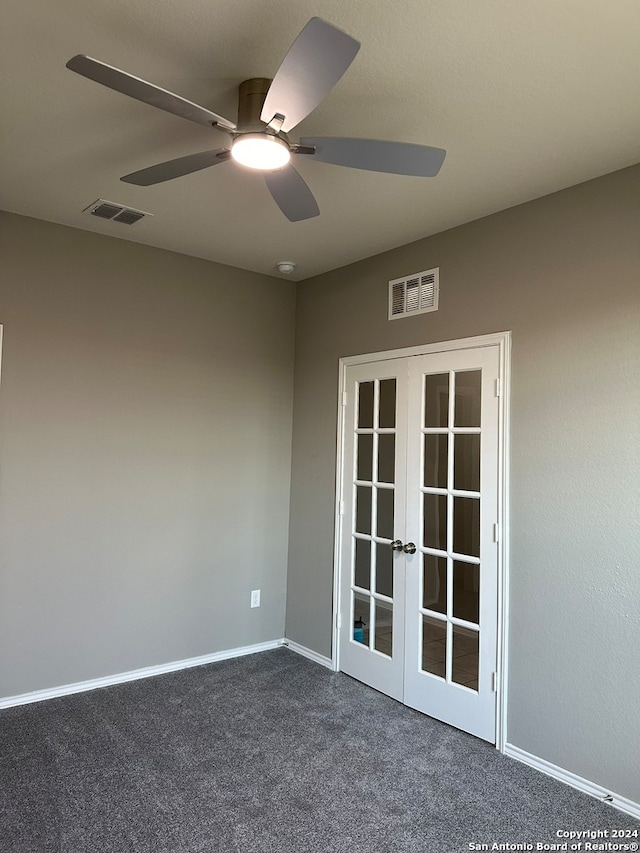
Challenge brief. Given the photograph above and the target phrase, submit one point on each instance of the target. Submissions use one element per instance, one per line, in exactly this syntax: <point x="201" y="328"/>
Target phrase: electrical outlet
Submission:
<point x="255" y="598"/>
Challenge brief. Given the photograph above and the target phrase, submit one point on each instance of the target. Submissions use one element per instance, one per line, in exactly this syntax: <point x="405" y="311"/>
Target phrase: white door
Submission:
<point x="374" y="508"/>
<point x="419" y="581"/>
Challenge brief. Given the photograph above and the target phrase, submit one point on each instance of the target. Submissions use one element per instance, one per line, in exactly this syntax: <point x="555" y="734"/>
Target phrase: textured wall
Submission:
<point x="563" y="273"/>
<point x="145" y="446"/>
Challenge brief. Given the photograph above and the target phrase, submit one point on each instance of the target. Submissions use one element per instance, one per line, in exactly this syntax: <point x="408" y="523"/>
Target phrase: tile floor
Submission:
<point x="465" y="648"/>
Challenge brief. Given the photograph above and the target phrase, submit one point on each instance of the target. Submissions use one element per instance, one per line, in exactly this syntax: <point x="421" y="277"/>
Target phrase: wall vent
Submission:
<point x="116" y="212"/>
<point x="414" y="294"/>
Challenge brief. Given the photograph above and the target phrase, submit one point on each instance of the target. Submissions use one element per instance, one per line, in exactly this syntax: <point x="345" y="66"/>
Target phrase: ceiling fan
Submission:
<point x="267" y="111"/>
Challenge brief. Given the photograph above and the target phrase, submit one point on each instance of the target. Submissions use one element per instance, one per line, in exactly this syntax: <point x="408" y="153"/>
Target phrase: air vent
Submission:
<point x="128" y="217"/>
<point x="414" y="294"/>
<point x="116" y="212"/>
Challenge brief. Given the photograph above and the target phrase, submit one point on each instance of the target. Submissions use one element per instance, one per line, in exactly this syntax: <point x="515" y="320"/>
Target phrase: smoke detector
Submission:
<point x="285" y="267"/>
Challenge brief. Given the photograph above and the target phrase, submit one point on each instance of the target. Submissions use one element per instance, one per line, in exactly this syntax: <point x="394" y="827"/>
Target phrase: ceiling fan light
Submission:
<point x="260" y="151"/>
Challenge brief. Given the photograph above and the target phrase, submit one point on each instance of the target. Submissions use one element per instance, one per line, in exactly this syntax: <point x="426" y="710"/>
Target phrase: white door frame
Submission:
<point x="503" y="341"/>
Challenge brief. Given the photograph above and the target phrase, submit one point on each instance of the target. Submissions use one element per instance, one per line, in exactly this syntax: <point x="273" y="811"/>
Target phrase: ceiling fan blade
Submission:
<point x="291" y="193"/>
<point x="176" y="168"/>
<point x="315" y="62"/>
<point x="377" y="155"/>
<point x="134" y="87"/>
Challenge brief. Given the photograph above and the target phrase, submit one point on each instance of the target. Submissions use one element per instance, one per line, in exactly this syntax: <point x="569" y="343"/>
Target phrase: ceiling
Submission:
<point x="527" y="97"/>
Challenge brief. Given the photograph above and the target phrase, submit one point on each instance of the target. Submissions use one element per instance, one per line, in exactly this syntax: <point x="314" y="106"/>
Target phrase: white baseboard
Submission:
<point x="135" y="674"/>
<point x="308" y="653"/>
<point x="159" y="669"/>
<point x="584" y="785"/>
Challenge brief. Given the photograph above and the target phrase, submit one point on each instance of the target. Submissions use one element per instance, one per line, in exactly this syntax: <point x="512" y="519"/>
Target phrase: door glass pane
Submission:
<point x="467" y="402"/>
<point x="435" y="521"/>
<point x="434" y="646"/>
<point x="363" y="509"/>
<point x="365" y="457"/>
<point x="384" y="569"/>
<point x="434" y="587"/>
<point x="436" y="400"/>
<point x="466" y="526"/>
<point x="465" y="657"/>
<point x="365" y="405"/>
<point x="361" y="618"/>
<point x="435" y="460"/>
<point x="384" y="628"/>
<point x="386" y="458"/>
<point x="466" y="462"/>
<point x="387" y="414"/>
<point x="384" y="528"/>
<point x="362" y="571"/>
<point x="466" y="591"/>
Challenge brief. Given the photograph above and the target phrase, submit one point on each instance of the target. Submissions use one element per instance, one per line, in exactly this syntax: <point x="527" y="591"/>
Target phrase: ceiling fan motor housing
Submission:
<point x="251" y="95"/>
<point x="256" y="144"/>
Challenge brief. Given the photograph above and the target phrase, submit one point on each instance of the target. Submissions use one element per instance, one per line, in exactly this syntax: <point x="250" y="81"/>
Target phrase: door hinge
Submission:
<point x="496" y="532"/>
<point x="497" y="387"/>
<point x="494" y="682"/>
<point x="339" y="621"/>
<point x="344" y="398"/>
<point x="340" y="507"/>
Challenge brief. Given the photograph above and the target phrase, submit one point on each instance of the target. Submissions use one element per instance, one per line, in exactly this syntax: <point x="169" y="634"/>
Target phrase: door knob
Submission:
<point x="410" y="548"/>
<point x="397" y="545"/>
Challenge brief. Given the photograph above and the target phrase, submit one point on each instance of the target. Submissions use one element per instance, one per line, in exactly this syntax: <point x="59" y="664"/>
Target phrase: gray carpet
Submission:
<point x="264" y="754"/>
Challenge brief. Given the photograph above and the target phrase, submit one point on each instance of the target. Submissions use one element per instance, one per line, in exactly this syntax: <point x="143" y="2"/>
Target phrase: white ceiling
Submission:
<point x="527" y="96"/>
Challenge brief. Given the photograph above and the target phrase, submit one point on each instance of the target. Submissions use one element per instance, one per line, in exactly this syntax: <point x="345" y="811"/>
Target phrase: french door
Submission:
<point x="418" y="592"/>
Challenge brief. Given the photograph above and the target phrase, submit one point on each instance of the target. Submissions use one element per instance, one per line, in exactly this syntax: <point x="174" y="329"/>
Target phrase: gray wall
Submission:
<point x="145" y="446"/>
<point x="563" y="273"/>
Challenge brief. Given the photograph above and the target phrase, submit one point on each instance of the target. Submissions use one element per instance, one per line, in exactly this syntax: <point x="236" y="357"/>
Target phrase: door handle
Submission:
<point x="410" y="548"/>
<point x="397" y="545"/>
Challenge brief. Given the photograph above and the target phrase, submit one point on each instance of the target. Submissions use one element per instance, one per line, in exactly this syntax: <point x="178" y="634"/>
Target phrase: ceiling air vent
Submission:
<point x="414" y="294"/>
<point x="116" y="212"/>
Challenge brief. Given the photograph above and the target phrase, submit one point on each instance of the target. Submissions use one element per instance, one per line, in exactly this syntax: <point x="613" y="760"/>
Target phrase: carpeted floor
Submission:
<point x="265" y="754"/>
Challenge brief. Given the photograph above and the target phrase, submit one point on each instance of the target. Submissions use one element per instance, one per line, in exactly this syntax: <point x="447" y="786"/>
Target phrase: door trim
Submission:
<point x="503" y="341"/>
